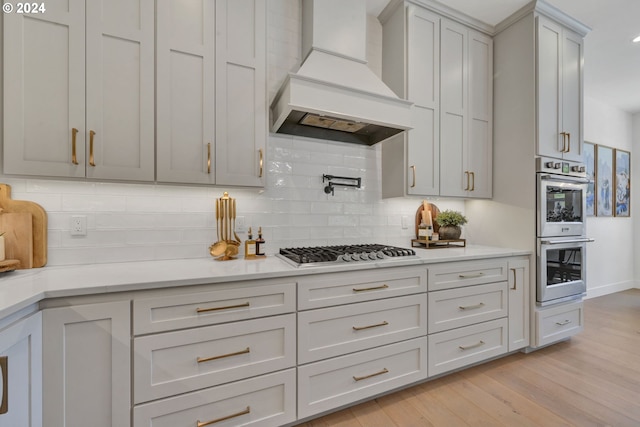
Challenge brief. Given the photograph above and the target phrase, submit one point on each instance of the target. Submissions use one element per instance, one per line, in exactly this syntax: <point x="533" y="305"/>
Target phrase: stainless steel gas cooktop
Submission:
<point x="321" y="255"/>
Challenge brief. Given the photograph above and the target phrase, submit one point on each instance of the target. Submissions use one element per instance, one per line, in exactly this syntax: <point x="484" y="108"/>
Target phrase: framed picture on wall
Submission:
<point x="590" y="163"/>
<point x="604" y="180"/>
<point x="622" y="183"/>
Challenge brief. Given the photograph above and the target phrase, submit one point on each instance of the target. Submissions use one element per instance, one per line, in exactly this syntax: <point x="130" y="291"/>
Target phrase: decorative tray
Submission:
<point x="431" y="244"/>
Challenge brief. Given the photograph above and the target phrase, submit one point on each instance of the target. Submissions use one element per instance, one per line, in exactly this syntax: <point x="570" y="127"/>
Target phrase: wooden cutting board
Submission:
<point x="18" y="237"/>
<point x="38" y="223"/>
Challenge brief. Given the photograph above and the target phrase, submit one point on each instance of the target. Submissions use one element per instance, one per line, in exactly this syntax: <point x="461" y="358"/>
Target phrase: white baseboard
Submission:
<point x="611" y="288"/>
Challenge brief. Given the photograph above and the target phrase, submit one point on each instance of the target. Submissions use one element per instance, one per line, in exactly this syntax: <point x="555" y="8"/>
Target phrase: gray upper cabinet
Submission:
<point x="211" y="92"/>
<point x="445" y="68"/>
<point x="78" y="90"/>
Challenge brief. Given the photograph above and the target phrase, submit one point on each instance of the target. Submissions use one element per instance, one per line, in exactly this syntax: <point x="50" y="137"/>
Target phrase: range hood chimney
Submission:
<point x="334" y="95"/>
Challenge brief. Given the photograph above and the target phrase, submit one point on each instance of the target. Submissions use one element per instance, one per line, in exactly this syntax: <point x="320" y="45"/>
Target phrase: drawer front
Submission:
<point x="183" y="361"/>
<point x="459" y="274"/>
<point x="461" y="347"/>
<point x="181" y="311"/>
<point x="343" y="288"/>
<point x="560" y="322"/>
<point x="336" y="331"/>
<point x="263" y="401"/>
<point x="335" y="382"/>
<point x="453" y="308"/>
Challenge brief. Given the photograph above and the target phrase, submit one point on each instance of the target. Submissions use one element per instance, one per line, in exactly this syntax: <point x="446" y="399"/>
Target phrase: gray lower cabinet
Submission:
<point x="275" y="351"/>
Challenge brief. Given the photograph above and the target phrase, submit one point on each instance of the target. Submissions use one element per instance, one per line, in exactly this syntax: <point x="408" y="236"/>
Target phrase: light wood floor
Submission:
<point x="591" y="380"/>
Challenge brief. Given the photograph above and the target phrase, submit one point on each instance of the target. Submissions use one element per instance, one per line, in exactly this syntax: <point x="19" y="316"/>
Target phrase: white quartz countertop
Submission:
<point x="21" y="288"/>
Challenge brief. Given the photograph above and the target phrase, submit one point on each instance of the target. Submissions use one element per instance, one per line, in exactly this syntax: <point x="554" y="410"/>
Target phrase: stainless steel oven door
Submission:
<point x="562" y="265"/>
<point x="561" y="205"/>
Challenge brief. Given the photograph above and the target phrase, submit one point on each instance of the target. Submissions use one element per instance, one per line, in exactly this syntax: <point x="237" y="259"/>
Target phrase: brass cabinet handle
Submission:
<point x="222" y="356"/>
<point x="469" y="307"/>
<point x="385" y="286"/>
<point x="467" y="347"/>
<point x="359" y="328"/>
<point x="74" y="157"/>
<point x="209" y="158"/>
<point x="473" y="181"/>
<point x="564" y="140"/>
<point x="204" y="310"/>
<point x="261" y="163"/>
<point x="4" y="371"/>
<point x="566" y="322"/>
<point x="228" y="417"/>
<point x="413" y="169"/>
<point x="470" y="276"/>
<point x="515" y="279"/>
<point x="467" y="174"/>
<point x="384" y="371"/>
<point x="91" y="159"/>
<point x="568" y="142"/>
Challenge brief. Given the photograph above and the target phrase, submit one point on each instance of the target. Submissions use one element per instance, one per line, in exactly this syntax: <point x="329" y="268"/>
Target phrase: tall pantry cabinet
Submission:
<point x="445" y="68"/>
<point x="211" y="92"/>
<point x="78" y="90"/>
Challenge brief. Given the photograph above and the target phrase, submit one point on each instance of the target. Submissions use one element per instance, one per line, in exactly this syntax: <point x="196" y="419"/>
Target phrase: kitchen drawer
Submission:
<point x="461" y="347"/>
<point x="186" y="310"/>
<point x="558" y="322"/>
<point x="325" y="290"/>
<point x="334" y="331"/>
<point x="466" y="273"/>
<point x="167" y="364"/>
<point x="453" y="308"/>
<point x="335" y="382"/>
<point x="268" y="400"/>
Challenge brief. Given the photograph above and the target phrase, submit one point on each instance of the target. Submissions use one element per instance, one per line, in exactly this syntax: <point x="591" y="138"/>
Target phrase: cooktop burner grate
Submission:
<point x="342" y="253"/>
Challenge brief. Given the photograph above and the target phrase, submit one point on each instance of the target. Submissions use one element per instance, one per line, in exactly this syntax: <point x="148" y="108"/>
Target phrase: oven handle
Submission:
<point x="570" y="179"/>
<point x="560" y="242"/>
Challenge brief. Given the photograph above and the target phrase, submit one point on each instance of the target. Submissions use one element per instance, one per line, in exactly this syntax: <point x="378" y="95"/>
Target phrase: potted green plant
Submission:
<point x="450" y="222"/>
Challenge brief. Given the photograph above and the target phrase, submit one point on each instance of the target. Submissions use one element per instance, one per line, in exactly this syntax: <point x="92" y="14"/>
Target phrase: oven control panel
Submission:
<point x="561" y="167"/>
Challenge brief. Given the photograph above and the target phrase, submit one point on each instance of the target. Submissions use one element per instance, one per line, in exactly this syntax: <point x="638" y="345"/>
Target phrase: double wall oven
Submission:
<point x="561" y="231"/>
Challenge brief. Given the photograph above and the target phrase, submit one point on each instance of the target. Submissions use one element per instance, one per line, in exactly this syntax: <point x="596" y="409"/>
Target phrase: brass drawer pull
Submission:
<point x="4" y="371"/>
<point x="228" y="417"/>
<point x="470" y="276"/>
<point x="467" y="347"/>
<point x="566" y="322"/>
<point x="209" y="158"/>
<point x="222" y="356"/>
<point x="473" y="181"/>
<point x="384" y="371"/>
<point x="467" y="174"/>
<point x="359" y="328"/>
<point x="385" y="286"/>
<point x="204" y="310"/>
<point x="469" y="307"/>
<point x="515" y="279"/>
<point x="261" y="163"/>
<point x="92" y="134"/>
<point x="413" y="169"/>
<point x="74" y="135"/>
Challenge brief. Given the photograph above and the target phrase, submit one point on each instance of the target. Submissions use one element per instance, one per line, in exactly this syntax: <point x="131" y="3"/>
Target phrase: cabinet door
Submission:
<point x="518" y="303"/>
<point x="454" y="179"/>
<point x="572" y="90"/>
<point x="185" y="46"/>
<point x="120" y="93"/>
<point x="479" y="152"/>
<point x="44" y="90"/>
<point x="549" y="36"/>
<point x="241" y="105"/>
<point x="88" y="354"/>
<point x="423" y="79"/>
<point x="21" y="357"/>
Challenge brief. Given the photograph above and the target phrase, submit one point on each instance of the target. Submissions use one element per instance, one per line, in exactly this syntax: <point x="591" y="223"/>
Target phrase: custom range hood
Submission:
<point x="334" y="95"/>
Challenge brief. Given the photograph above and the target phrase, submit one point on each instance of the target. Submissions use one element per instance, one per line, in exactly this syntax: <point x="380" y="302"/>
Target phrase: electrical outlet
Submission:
<point x="78" y="225"/>
<point x="240" y="224"/>
<point x="405" y="222"/>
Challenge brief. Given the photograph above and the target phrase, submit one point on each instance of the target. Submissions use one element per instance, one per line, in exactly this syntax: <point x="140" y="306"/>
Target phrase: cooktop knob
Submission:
<point x="582" y="169"/>
<point x="380" y="255"/>
<point x="548" y="165"/>
<point x="372" y="255"/>
<point x="575" y="168"/>
<point x="364" y="256"/>
<point x="557" y="165"/>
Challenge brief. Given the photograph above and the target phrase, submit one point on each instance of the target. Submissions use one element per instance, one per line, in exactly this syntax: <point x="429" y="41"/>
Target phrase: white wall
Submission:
<point x="635" y="194"/>
<point x="131" y="222"/>
<point x="610" y="259"/>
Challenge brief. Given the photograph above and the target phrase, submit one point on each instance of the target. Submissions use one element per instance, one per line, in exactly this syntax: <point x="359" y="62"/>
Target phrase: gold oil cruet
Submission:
<point x="228" y="242"/>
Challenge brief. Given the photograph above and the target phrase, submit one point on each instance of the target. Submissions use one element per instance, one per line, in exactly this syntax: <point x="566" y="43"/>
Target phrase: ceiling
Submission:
<point x="612" y="61"/>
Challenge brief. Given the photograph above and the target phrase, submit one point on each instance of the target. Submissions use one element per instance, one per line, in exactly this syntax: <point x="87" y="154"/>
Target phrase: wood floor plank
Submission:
<point x="591" y="380"/>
